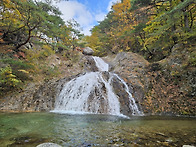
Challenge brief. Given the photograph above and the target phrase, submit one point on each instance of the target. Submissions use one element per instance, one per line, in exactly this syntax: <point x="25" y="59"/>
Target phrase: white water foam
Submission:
<point x="75" y="95"/>
<point x="101" y="65"/>
<point x="92" y="93"/>
<point x="134" y="107"/>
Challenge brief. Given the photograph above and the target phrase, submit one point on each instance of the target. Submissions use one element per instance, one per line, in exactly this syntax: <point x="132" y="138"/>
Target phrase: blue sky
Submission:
<point x="86" y="12"/>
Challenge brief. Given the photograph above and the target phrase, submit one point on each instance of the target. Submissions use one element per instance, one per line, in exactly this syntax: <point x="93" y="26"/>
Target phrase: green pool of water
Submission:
<point x="31" y="129"/>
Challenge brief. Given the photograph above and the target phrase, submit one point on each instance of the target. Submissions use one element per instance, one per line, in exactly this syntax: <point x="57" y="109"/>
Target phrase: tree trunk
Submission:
<point x="25" y="42"/>
<point x="186" y="19"/>
<point x="192" y="19"/>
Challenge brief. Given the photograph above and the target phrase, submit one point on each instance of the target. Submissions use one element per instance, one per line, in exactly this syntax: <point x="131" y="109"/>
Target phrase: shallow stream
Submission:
<point x="31" y="129"/>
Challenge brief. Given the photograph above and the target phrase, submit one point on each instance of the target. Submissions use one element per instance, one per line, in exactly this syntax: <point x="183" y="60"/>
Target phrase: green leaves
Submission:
<point x="8" y="80"/>
<point x="135" y="4"/>
<point x="29" y="19"/>
<point x="150" y="27"/>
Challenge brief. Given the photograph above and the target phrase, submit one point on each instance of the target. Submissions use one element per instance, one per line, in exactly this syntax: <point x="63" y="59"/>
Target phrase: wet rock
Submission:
<point x="106" y="75"/>
<point x="40" y="96"/>
<point x="161" y="134"/>
<point x="165" y="84"/>
<point x="26" y="140"/>
<point x="158" y="88"/>
<point x="89" y="64"/>
<point x="131" y="68"/>
<point x="120" y="91"/>
<point x="86" y="144"/>
<point x="21" y="139"/>
<point x="48" y="145"/>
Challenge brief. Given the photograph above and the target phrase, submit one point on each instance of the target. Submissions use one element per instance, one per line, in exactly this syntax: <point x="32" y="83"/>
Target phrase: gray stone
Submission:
<point x="48" y="145"/>
<point x="89" y="64"/>
<point x="88" y="51"/>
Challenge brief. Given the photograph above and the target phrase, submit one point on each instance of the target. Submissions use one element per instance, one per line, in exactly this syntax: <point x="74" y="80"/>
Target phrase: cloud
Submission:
<point x="86" y="30"/>
<point x="100" y="16"/>
<point x="76" y="10"/>
<point x="85" y="17"/>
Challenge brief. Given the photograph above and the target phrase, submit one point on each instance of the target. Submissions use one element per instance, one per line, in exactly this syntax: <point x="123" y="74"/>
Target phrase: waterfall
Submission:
<point x="101" y="65"/>
<point x="93" y="93"/>
<point x="132" y="104"/>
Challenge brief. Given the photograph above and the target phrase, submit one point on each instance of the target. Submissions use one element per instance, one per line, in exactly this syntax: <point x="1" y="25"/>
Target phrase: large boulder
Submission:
<point x="88" y="51"/>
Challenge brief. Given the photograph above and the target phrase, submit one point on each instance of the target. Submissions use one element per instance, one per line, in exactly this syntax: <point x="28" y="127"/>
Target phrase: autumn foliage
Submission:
<point x="148" y="27"/>
<point x="30" y="31"/>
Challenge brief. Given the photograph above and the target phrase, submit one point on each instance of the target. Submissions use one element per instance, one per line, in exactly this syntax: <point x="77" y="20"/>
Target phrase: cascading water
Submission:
<point x="93" y="93"/>
<point x="101" y="65"/>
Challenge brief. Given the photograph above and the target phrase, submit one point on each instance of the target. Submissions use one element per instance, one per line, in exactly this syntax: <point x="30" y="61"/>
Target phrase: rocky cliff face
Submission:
<point x="132" y="68"/>
<point x="156" y="87"/>
<point x="172" y="84"/>
<point x="164" y="87"/>
<point x="40" y="96"/>
<point x="35" y="97"/>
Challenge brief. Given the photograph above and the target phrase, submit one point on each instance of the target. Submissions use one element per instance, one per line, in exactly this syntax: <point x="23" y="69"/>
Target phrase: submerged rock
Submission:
<point x="26" y="140"/>
<point x="48" y="145"/>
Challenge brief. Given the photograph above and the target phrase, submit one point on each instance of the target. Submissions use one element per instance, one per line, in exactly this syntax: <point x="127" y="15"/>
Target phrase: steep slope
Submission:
<point x="164" y="87"/>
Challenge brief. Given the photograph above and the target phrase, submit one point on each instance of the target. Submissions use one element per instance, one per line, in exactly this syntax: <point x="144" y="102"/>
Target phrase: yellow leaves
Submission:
<point x="152" y="26"/>
<point x="121" y="10"/>
<point x="93" y="41"/>
<point x="7" y="3"/>
<point x="125" y="5"/>
<point x="121" y="28"/>
<point x="7" y="78"/>
<point x="149" y="40"/>
<point x="121" y="50"/>
<point x="46" y="47"/>
<point x="10" y="13"/>
<point x="23" y="71"/>
<point x="127" y="48"/>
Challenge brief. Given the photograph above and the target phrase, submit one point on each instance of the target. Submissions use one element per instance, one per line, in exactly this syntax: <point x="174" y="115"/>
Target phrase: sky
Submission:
<point x="86" y="12"/>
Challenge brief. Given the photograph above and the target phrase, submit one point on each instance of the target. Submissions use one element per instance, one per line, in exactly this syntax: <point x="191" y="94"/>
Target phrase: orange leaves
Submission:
<point x="121" y="11"/>
<point x="117" y="29"/>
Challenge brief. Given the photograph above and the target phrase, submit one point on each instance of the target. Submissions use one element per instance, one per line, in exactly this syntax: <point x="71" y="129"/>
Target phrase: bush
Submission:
<point x="192" y="59"/>
<point x="17" y="63"/>
<point x="8" y="81"/>
<point x="19" y="68"/>
<point x="47" y="51"/>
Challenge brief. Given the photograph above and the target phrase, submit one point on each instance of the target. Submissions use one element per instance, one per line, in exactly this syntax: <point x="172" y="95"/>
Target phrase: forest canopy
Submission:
<point x="30" y="31"/>
<point x="148" y="27"/>
<point x="25" y="20"/>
